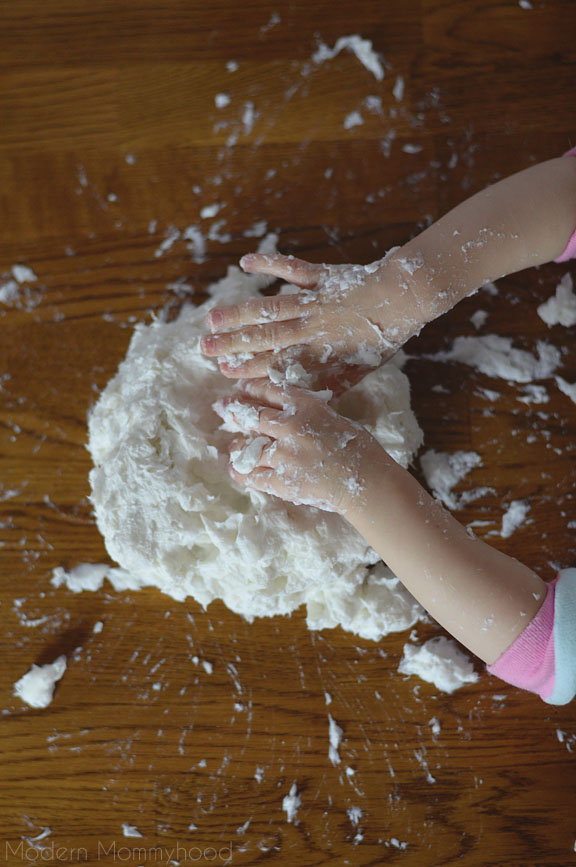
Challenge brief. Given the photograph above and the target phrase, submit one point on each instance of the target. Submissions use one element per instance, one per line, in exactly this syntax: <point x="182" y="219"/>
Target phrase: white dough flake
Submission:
<point x="36" y="687"/>
<point x="439" y="661"/>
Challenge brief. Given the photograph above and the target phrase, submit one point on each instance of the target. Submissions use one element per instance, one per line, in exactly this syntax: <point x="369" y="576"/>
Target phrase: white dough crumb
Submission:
<point x="36" y="687"/>
<point x="209" y="211"/>
<point x="495" y="356"/>
<point x="335" y="735"/>
<point x="439" y="661"/>
<point x="90" y="576"/>
<point x="478" y="319"/>
<point x="560" y="309"/>
<point x="23" y="274"/>
<point x="534" y="394"/>
<point x="130" y="830"/>
<point x="9" y="291"/>
<point x="221" y="100"/>
<point x="514" y="517"/>
<point x="398" y="89"/>
<point x="353" y="119"/>
<point x="443" y="471"/>
<point x="362" y="48"/>
<point x="291" y="803"/>
<point x="354" y="814"/>
<point x="567" y="388"/>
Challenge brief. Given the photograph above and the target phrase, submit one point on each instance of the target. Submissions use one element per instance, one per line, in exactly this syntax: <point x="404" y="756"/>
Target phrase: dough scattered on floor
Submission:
<point x="439" y="661"/>
<point x="36" y="687"/>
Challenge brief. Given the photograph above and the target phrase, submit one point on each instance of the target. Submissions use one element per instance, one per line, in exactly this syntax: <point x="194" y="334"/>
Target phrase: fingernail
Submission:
<point x="245" y="261"/>
<point x="216" y="319"/>
<point x="207" y="344"/>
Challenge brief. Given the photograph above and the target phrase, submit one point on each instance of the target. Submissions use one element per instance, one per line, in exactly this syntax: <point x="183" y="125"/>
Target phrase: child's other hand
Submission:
<point x="315" y="456"/>
<point x="346" y="320"/>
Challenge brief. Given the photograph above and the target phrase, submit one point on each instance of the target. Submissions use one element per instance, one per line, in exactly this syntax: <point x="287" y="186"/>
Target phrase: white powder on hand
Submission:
<point x="439" y="661"/>
<point x="36" y="687"/>
<point x="560" y="309"/>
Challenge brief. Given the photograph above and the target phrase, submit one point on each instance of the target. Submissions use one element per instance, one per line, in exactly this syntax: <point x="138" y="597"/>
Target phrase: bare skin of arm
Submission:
<point x="483" y="597"/>
<point x="348" y="318"/>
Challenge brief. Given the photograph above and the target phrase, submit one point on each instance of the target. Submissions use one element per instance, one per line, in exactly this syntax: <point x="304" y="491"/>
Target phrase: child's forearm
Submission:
<point x="519" y="222"/>
<point x="480" y="595"/>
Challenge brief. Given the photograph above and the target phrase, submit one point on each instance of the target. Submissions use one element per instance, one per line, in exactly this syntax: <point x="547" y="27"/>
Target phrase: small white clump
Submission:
<point x="362" y="48"/>
<point x="514" y="517"/>
<point x="291" y="803"/>
<point x="398" y="89"/>
<point x="478" y="319"/>
<point x="90" y="576"/>
<point x="560" y="309"/>
<point x="354" y="814"/>
<point x="36" y="687"/>
<point x="353" y="119"/>
<point x="23" y="274"/>
<point x="495" y="356"/>
<point x="130" y="830"/>
<point x="443" y="471"/>
<point x="209" y="211"/>
<point x="335" y="734"/>
<point x="246" y="459"/>
<point x="534" y="394"/>
<point x="439" y="661"/>
<point x="221" y="100"/>
<point x="9" y="291"/>
<point x="567" y="388"/>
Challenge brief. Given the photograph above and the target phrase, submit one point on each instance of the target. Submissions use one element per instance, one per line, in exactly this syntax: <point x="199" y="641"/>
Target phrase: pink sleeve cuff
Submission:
<point x="570" y="251"/>
<point x="529" y="661"/>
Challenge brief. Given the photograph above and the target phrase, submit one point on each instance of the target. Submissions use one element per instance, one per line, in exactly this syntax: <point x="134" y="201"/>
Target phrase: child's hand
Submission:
<point x="346" y="321"/>
<point x="314" y="456"/>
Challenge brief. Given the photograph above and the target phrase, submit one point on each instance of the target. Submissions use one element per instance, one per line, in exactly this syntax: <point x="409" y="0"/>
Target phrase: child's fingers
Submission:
<point x="251" y="369"/>
<point x="256" y="338"/>
<point x="297" y="271"/>
<point x="277" y="395"/>
<point x="261" y="479"/>
<point x="273" y="309"/>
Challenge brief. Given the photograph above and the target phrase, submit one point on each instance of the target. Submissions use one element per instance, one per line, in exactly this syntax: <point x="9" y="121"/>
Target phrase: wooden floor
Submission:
<point x="110" y="141"/>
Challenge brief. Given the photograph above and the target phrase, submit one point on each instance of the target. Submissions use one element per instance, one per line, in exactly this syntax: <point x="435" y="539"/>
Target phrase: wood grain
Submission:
<point x="109" y="137"/>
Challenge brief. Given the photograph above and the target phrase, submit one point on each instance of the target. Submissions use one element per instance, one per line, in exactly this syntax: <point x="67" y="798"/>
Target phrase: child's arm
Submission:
<point x="519" y="222"/>
<point x="483" y="597"/>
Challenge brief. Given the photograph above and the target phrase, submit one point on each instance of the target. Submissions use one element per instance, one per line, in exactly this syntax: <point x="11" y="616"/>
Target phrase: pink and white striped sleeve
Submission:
<point x="543" y="657"/>
<point x="570" y="251"/>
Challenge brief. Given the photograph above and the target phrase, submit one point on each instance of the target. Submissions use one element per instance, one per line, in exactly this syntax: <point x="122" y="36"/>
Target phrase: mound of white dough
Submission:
<point x="171" y="516"/>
